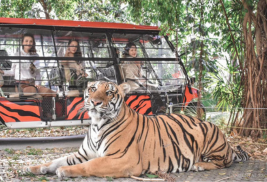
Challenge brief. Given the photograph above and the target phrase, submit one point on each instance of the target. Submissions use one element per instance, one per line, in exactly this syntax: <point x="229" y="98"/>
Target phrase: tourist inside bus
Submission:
<point x="26" y="72"/>
<point x="135" y="77"/>
<point x="74" y="70"/>
<point x="132" y="70"/>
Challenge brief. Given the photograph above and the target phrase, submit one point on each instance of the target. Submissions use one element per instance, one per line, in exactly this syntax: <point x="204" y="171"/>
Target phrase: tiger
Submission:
<point x="122" y="143"/>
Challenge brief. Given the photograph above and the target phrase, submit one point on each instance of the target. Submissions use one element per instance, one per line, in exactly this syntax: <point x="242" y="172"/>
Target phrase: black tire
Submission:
<point x="191" y="110"/>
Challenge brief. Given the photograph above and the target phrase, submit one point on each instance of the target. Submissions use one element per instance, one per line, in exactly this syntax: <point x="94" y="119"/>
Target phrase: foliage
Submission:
<point x="226" y="91"/>
<point x="86" y="10"/>
<point x="152" y="176"/>
<point x="109" y="178"/>
<point x="15" y="157"/>
<point x="43" y="179"/>
<point x="33" y="151"/>
<point x="49" y="9"/>
<point x="10" y="151"/>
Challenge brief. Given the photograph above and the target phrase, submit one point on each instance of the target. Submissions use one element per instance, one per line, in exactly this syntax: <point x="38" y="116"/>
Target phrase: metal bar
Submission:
<point x="42" y="45"/>
<point x="55" y="49"/>
<point x="116" y="60"/>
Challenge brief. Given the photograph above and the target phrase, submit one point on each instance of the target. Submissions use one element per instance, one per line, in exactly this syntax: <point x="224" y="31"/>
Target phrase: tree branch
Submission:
<point x="232" y="37"/>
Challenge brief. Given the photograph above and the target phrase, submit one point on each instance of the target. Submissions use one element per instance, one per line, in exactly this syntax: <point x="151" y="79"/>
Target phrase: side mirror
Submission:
<point x="192" y="80"/>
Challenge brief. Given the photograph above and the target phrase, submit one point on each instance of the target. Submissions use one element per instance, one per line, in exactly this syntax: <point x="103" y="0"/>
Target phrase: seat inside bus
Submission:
<point x="8" y="86"/>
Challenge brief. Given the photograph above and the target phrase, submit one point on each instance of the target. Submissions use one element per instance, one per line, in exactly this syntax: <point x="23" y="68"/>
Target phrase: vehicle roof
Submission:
<point x="69" y="23"/>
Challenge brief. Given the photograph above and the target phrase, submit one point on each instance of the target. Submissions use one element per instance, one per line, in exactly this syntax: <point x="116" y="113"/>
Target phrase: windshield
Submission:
<point x="140" y="69"/>
<point x="166" y="73"/>
<point x="157" y="47"/>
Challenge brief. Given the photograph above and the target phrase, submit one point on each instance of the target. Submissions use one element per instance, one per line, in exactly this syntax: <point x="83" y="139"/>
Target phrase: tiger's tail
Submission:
<point x="240" y="155"/>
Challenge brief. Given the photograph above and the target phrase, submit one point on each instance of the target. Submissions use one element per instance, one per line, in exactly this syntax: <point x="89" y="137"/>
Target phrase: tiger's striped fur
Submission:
<point x="120" y="142"/>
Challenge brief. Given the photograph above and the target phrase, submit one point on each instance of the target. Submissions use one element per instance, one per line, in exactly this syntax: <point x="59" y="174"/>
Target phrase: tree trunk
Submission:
<point x="200" y="62"/>
<point x="255" y="72"/>
<point x="47" y="8"/>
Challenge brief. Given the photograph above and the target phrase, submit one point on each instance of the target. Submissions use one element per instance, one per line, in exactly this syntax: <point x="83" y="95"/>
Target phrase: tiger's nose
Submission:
<point x="96" y="102"/>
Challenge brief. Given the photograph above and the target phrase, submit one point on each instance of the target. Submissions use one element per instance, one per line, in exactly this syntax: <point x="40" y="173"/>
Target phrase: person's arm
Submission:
<point x="128" y="71"/>
<point x="131" y="71"/>
<point x="37" y="72"/>
<point x="84" y="74"/>
<point x="65" y="63"/>
<point x="66" y="67"/>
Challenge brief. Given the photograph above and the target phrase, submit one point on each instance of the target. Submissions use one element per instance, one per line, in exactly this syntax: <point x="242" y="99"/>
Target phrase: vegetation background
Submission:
<point x="225" y="42"/>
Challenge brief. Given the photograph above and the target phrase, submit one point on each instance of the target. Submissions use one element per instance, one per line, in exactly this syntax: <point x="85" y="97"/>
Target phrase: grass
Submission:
<point x="34" y="152"/>
<point x="43" y="178"/>
<point x="109" y="178"/>
<point x="10" y="151"/>
<point x="152" y="176"/>
<point x="15" y="157"/>
<point x="28" y="174"/>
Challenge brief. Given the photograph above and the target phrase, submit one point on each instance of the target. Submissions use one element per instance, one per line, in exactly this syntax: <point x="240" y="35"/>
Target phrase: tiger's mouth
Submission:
<point x="97" y="108"/>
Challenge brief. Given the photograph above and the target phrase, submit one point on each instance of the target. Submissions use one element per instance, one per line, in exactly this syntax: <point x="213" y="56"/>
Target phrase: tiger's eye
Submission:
<point x="93" y="89"/>
<point x="109" y="93"/>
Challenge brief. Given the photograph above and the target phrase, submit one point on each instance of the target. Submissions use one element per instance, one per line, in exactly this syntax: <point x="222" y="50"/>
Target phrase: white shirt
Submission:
<point x="21" y="69"/>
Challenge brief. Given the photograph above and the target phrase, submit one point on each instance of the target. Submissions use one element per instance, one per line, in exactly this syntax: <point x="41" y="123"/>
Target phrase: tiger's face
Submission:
<point x="104" y="100"/>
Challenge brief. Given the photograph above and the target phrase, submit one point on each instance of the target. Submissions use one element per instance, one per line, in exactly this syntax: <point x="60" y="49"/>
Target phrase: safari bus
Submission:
<point x="45" y="66"/>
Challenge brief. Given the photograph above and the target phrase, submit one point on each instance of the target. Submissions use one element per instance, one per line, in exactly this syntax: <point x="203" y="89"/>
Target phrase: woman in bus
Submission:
<point x="26" y="71"/>
<point x="134" y="76"/>
<point x="73" y="69"/>
<point x="132" y="70"/>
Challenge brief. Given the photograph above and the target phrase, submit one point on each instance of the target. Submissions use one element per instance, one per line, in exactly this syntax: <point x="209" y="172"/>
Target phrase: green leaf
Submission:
<point x="152" y="176"/>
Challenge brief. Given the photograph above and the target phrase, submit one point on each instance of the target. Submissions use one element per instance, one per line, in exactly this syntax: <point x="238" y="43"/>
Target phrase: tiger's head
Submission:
<point x="104" y="100"/>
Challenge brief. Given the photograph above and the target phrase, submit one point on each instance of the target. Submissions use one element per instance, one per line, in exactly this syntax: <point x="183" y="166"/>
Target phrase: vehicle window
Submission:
<point x="157" y="47"/>
<point x="11" y="44"/>
<point x="169" y="73"/>
<point x="11" y="41"/>
<point x="153" y="74"/>
<point x="150" y="46"/>
<point x="120" y="41"/>
<point x="91" y="44"/>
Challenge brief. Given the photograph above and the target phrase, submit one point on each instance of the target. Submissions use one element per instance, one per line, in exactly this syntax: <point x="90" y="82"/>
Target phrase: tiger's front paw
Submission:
<point x="63" y="172"/>
<point x="197" y="168"/>
<point x="36" y="169"/>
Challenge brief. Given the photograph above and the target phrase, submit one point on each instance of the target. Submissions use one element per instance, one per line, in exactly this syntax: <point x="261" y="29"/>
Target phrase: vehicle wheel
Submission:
<point x="191" y="110"/>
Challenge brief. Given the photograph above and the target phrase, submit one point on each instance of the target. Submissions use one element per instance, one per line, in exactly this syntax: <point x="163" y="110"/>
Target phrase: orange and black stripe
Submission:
<point x="19" y="111"/>
<point x="74" y="106"/>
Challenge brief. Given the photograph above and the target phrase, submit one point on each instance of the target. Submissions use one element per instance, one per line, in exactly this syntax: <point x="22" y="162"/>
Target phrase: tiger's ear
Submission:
<point x="89" y="84"/>
<point x="125" y="87"/>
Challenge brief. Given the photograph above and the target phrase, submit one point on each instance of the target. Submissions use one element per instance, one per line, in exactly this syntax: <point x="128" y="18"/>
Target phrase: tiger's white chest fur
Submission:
<point x="95" y="137"/>
<point x="97" y="119"/>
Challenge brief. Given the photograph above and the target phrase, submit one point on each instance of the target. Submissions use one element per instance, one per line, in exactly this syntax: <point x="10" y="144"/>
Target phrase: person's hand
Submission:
<point x="1" y="72"/>
<point x="68" y="53"/>
<point x="32" y="68"/>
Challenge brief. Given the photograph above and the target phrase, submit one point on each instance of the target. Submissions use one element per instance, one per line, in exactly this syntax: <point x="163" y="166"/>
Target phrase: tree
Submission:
<point x="255" y="69"/>
<point x="87" y="10"/>
<point x="51" y="9"/>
